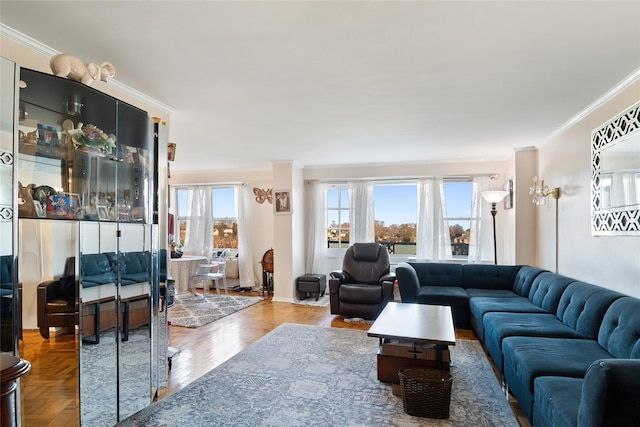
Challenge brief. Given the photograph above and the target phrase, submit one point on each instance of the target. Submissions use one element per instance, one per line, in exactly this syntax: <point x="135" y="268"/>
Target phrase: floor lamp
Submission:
<point x="494" y="197"/>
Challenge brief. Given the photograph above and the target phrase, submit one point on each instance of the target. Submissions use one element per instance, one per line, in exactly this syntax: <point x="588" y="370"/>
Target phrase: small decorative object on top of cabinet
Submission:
<point x="66" y="65"/>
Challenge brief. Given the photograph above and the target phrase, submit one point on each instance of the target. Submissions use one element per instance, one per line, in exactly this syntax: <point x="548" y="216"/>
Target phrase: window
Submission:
<point x="338" y="227"/>
<point x="458" y="197"/>
<point x="225" y="224"/>
<point x="395" y="213"/>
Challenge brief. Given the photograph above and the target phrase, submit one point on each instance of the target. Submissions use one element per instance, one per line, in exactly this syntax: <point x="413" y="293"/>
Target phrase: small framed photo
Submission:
<point x="508" y="187"/>
<point x="282" y="202"/>
<point x="39" y="209"/>
<point x="171" y="151"/>
<point x="47" y="135"/>
<point x="103" y="213"/>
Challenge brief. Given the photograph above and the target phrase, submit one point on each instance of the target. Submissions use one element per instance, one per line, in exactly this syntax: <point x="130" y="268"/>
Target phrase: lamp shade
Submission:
<point x="494" y="196"/>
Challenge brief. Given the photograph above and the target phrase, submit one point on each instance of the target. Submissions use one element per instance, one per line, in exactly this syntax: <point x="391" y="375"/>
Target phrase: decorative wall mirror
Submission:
<point x="615" y="175"/>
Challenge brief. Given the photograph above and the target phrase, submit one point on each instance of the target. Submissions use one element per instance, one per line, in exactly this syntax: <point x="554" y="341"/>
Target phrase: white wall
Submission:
<point x="565" y="162"/>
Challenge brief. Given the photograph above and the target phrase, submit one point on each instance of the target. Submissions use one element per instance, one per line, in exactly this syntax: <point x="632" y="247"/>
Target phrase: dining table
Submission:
<point x="181" y="269"/>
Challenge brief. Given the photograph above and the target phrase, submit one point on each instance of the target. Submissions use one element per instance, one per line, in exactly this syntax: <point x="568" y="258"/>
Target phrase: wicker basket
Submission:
<point x="426" y="392"/>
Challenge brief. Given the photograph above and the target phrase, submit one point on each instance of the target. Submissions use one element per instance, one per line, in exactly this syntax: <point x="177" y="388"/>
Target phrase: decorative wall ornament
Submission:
<point x="66" y="65"/>
<point x="610" y="218"/>
<point x="262" y="195"/>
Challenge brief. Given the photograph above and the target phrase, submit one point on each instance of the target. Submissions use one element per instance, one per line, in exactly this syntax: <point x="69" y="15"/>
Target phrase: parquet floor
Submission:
<point x="49" y="393"/>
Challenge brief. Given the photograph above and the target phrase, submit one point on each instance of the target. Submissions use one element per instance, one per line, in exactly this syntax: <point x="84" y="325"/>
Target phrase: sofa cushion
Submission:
<point x="492" y="293"/>
<point x="97" y="265"/>
<point x="547" y="289"/>
<point x="68" y="286"/>
<point x="527" y="358"/>
<point x="556" y="401"/>
<point x="524" y="279"/>
<point x="456" y="298"/>
<point x="485" y="276"/>
<point x="440" y="295"/>
<point x="582" y="307"/>
<point x="438" y="274"/>
<point x="620" y="329"/>
<point x="498" y="326"/>
<point x="532" y="357"/>
<point x="360" y="293"/>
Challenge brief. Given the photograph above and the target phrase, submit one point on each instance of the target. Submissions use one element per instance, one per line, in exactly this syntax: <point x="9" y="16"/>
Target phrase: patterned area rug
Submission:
<point x="300" y="375"/>
<point x="193" y="311"/>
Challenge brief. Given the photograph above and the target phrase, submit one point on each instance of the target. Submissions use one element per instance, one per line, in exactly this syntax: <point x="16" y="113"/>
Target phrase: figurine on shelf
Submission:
<point x="66" y="65"/>
<point x="91" y="139"/>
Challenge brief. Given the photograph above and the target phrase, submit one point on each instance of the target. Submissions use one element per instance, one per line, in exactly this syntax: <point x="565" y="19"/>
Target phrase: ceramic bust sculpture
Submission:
<point x="66" y="65"/>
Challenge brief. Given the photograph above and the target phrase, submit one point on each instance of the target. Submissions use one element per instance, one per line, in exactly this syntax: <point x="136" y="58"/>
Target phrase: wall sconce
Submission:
<point x="494" y="197"/>
<point x="542" y="192"/>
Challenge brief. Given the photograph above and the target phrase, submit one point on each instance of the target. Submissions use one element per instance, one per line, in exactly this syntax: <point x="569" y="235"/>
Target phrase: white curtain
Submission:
<point x="361" y="212"/>
<point x="243" y="201"/>
<point x="624" y="191"/>
<point x="433" y="241"/>
<point x="316" y="257"/>
<point x="481" y="233"/>
<point x="200" y="226"/>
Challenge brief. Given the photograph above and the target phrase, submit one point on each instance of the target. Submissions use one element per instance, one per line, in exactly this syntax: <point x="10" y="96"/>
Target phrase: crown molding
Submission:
<point x="48" y="51"/>
<point x="624" y="83"/>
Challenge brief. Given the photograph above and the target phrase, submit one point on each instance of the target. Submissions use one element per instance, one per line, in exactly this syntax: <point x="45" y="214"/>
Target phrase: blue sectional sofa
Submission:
<point x="568" y="351"/>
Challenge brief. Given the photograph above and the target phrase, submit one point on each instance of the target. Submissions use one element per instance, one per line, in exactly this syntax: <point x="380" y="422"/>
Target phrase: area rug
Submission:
<point x="300" y="375"/>
<point x="323" y="301"/>
<point x="193" y="311"/>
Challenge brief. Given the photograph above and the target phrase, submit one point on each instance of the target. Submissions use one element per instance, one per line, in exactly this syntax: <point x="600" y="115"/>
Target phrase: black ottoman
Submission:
<point x="311" y="284"/>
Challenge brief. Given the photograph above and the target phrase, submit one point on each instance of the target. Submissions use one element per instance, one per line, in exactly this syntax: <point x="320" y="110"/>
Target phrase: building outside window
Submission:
<point x="225" y="224"/>
<point x="395" y="213"/>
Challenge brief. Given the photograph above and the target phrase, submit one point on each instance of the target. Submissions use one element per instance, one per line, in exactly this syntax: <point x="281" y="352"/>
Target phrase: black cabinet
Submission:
<point x="83" y="155"/>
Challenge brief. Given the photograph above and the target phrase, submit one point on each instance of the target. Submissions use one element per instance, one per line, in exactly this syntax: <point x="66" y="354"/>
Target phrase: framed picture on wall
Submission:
<point x="282" y="203"/>
<point x="508" y="187"/>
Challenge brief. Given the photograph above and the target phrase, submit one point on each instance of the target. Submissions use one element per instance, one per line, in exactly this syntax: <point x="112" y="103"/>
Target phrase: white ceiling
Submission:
<point x="340" y="83"/>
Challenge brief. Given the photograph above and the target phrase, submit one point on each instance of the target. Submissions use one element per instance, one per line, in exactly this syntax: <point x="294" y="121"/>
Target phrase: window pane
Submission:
<point x="395" y="210"/>
<point x="332" y="198"/>
<point x="183" y="197"/>
<point x="333" y="218"/>
<point x="344" y="198"/>
<point x="458" y="199"/>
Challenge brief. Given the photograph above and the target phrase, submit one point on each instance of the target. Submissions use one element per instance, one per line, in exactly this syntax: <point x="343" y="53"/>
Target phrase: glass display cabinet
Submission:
<point x="87" y="201"/>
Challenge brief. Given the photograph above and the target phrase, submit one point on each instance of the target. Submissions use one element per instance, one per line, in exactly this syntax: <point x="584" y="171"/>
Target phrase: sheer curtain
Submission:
<point x="361" y="213"/>
<point x="316" y="257"/>
<point x="432" y="240"/>
<point x="200" y="225"/>
<point x="480" y="236"/>
<point x="243" y="201"/>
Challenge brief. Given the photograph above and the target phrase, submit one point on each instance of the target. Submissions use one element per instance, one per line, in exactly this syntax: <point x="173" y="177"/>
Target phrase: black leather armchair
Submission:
<point x="58" y="301"/>
<point x="364" y="286"/>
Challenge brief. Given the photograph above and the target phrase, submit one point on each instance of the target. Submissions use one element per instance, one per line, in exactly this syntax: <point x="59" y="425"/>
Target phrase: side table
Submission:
<point x="11" y="369"/>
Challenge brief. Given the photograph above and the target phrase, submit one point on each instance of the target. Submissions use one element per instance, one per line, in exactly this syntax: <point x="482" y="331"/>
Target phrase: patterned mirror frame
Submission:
<point x="612" y="221"/>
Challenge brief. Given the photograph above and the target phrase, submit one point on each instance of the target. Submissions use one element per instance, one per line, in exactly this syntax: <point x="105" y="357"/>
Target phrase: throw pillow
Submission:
<point x="68" y="286"/>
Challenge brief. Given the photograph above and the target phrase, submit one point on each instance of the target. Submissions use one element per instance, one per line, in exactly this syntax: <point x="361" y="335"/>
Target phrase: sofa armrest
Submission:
<point x="610" y="393"/>
<point x="337" y="274"/>
<point x="408" y="282"/>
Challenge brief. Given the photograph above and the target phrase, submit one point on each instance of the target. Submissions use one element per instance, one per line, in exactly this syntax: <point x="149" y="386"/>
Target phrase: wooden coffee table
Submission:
<point x="412" y="335"/>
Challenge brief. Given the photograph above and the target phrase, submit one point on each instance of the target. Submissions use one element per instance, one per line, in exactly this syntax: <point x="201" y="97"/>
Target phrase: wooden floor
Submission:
<point x="49" y="393"/>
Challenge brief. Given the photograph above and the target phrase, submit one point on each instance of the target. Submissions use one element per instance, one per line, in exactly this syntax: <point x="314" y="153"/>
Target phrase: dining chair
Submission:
<point x="214" y="271"/>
